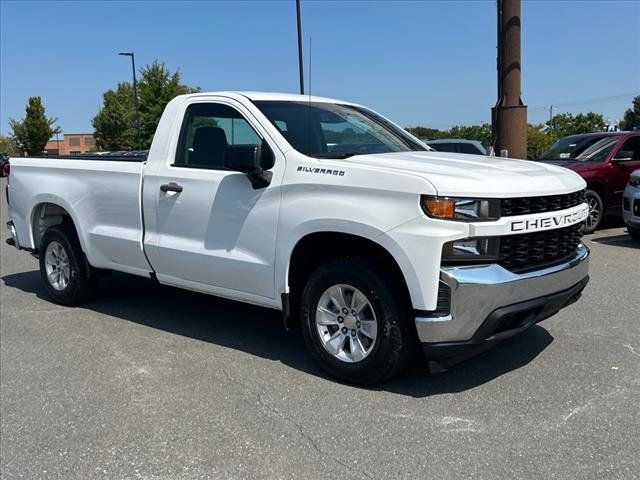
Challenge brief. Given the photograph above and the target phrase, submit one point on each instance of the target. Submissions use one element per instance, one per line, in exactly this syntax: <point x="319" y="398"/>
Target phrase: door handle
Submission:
<point x="171" y="187"/>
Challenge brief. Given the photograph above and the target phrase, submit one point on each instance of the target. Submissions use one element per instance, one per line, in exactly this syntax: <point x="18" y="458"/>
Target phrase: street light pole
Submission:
<point x="135" y="93"/>
<point x="300" y="67"/>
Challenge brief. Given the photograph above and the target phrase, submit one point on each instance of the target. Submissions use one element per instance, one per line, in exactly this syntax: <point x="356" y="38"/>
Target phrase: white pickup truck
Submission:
<point x="375" y="246"/>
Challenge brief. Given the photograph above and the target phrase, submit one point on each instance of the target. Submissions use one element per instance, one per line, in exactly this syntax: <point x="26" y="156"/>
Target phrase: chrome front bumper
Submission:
<point x="477" y="291"/>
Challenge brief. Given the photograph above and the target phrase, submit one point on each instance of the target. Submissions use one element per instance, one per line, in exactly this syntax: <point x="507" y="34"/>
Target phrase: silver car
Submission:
<point x="457" y="145"/>
<point x="631" y="205"/>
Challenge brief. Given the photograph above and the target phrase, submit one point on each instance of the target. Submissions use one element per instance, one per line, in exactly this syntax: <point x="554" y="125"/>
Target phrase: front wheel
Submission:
<point x="596" y="211"/>
<point x="63" y="268"/>
<point x="355" y="325"/>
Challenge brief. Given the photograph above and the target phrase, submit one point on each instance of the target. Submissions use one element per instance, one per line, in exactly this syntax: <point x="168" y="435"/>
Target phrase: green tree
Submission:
<point x="631" y="120"/>
<point x="481" y="133"/>
<point x="32" y="133"/>
<point x="8" y="146"/>
<point x="426" y="133"/>
<point x="565" y="124"/>
<point x="157" y="87"/>
<point x="539" y="139"/>
<point x="114" y="124"/>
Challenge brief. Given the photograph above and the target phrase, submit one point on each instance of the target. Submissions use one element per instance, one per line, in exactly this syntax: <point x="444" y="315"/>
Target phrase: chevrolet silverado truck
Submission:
<point x="375" y="246"/>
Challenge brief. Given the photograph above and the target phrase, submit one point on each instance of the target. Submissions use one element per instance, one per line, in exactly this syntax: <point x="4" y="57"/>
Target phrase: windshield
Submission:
<point x="329" y="130"/>
<point x="599" y="151"/>
<point x="568" y="148"/>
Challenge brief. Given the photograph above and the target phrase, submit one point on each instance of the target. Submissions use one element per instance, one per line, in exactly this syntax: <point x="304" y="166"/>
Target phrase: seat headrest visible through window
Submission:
<point x="209" y="145"/>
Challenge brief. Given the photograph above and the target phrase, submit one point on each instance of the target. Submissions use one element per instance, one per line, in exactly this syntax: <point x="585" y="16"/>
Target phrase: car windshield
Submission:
<point x="329" y="130"/>
<point x="568" y="148"/>
<point x="599" y="151"/>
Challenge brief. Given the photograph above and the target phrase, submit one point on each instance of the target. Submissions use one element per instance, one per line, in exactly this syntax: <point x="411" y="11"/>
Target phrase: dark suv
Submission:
<point x="605" y="160"/>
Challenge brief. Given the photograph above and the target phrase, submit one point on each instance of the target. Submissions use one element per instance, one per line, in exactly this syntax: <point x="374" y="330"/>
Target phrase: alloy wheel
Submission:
<point x="346" y="323"/>
<point x="57" y="266"/>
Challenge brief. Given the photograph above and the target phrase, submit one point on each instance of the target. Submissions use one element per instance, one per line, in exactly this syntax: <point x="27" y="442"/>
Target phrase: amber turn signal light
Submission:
<point x="439" y="207"/>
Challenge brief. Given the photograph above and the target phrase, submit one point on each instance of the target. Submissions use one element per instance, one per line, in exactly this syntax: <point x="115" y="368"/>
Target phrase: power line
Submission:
<point x="582" y="102"/>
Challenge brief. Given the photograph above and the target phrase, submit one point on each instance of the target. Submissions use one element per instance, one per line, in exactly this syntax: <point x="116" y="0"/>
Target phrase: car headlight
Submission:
<point x="471" y="249"/>
<point x="634" y="182"/>
<point x="460" y="209"/>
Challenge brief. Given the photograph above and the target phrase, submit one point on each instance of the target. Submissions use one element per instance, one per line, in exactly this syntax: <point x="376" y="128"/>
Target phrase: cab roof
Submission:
<point x="274" y="96"/>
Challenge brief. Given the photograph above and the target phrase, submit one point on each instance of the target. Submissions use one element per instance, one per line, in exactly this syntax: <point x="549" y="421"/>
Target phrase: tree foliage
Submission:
<point x="538" y="140"/>
<point x="427" y="133"/>
<point x="157" y="87"/>
<point x="631" y="120"/>
<point x="115" y="123"/>
<point x="565" y="124"/>
<point x="481" y="132"/>
<point x="8" y="146"/>
<point x="539" y="136"/>
<point x="31" y="134"/>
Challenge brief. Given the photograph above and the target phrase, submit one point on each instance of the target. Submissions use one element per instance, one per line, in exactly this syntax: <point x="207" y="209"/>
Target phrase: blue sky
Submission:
<point x="426" y="63"/>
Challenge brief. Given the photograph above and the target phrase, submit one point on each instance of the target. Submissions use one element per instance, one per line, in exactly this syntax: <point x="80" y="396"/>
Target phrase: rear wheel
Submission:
<point x="356" y="325"/>
<point x="596" y="211"/>
<point x="63" y="269"/>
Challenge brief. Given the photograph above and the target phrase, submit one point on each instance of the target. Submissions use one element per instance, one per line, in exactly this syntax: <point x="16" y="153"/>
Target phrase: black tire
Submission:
<point x="81" y="283"/>
<point x="596" y="208"/>
<point x="396" y="339"/>
<point x="634" y="232"/>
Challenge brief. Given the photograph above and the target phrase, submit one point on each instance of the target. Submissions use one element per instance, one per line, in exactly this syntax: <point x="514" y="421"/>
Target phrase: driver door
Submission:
<point x="207" y="228"/>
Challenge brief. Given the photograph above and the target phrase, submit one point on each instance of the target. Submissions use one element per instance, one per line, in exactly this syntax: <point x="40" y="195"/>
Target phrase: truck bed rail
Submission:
<point x="121" y="156"/>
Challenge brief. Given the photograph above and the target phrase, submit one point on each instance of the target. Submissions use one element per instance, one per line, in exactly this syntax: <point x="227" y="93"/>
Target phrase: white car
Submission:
<point x="631" y="205"/>
<point x="325" y="210"/>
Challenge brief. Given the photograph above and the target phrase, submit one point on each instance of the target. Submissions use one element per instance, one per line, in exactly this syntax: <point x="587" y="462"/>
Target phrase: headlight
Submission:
<point x="461" y="209"/>
<point x="471" y="249"/>
<point x="634" y="181"/>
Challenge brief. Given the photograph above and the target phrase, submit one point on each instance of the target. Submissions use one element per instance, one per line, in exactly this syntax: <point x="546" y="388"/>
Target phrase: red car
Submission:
<point x="605" y="160"/>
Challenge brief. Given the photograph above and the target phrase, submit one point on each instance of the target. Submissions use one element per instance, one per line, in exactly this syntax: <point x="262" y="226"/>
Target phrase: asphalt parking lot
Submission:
<point x="151" y="382"/>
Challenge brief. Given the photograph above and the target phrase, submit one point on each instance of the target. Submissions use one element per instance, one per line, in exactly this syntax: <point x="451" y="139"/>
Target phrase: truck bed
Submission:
<point x="100" y="192"/>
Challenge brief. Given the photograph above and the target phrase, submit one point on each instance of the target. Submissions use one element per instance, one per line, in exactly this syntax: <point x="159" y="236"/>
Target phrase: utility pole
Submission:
<point x="135" y="93"/>
<point x="509" y="116"/>
<point x="550" y="113"/>
<point x="300" y="67"/>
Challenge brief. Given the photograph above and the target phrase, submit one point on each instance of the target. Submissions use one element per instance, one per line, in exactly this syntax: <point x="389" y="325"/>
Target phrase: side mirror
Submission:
<point x="624" y="156"/>
<point x="252" y="160"/>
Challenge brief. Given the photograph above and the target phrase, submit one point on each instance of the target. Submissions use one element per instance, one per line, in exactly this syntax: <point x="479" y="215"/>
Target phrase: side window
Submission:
<point x="209" y="132"/>
<point x="468" y="148"/>
<point x="445" y="147"/>
<point x="632" y="145"/>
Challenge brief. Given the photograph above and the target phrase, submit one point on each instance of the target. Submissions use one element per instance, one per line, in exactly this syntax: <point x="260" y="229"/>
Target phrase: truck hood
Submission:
<point x="456" y="174"/>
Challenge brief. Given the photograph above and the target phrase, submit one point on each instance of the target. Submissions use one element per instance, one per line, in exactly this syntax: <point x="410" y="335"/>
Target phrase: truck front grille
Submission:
<point x="530" y="251"/>
<point x="525" y="205"/>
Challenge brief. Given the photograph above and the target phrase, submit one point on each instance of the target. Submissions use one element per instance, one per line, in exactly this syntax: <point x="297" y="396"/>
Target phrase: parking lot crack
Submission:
<point x="592" y="403"/>
<point x="298" y="427"/>
<point x="633" y="350"/>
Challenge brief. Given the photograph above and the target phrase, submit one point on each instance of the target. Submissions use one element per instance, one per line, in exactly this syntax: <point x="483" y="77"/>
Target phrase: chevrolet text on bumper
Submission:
<point x="362" y="236"/>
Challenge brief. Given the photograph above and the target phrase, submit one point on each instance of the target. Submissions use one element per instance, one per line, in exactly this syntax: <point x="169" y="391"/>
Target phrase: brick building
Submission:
<point x="71" y="144"/>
